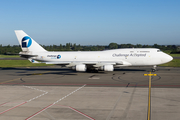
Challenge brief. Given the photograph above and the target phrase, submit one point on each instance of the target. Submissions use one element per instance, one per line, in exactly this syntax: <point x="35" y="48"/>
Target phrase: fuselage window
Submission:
<point x="145" y="51"/>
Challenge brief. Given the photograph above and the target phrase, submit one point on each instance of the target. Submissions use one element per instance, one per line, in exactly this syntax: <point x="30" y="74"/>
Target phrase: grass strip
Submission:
<point x="20" y="63"/>
<point x="173" y="63"/>
<point x="175" y="55"/>
<point x="9" y="56"/>
<point x="27" y="63"/>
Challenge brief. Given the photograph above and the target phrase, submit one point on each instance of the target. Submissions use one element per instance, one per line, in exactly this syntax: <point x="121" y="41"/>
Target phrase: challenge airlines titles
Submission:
<point x="127" y="55"/>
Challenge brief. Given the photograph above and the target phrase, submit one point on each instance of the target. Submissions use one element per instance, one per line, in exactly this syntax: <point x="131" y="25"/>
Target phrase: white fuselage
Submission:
<point x="87" y="60"/>
<point x="126" y="57"/>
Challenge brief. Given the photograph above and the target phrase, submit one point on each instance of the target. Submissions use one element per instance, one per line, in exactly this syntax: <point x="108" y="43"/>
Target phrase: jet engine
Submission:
<point x="80" y="68"/>
<point x="107" y="68"/>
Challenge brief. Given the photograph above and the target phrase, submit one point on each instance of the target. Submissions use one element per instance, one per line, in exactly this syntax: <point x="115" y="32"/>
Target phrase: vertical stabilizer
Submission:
<point x="27" y="43"/>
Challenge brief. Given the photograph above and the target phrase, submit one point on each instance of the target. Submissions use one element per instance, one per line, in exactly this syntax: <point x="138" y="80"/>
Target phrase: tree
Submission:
<point x="67" y="46"/>
<point x="60" y="47"/>
<point x="139" y="46"/>
<point x="74" y="47"/>
<point x="79" y="47"/>
<point x="113" y="46"/>
<point x="156" y="46"/>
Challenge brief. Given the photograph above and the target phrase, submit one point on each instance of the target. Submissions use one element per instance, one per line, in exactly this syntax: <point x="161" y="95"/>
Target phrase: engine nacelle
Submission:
<point x="107" y="68"/>
<point x="80" y="68"/>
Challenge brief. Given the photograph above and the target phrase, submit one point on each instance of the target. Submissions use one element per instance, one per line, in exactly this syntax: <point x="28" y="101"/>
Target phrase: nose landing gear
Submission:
<point x="154" y="68"/>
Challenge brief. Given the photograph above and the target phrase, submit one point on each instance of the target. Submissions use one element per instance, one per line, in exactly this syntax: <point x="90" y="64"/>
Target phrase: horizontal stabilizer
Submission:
<point x="33" y="61"/>
<point x="27" y="54"/>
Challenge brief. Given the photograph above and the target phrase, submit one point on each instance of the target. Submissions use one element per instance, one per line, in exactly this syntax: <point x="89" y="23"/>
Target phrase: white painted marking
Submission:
<point x="53" y="104"/>
<point x="26" y="101"/>
<point x="94" y="78"/>
<point x="38" y="95"/>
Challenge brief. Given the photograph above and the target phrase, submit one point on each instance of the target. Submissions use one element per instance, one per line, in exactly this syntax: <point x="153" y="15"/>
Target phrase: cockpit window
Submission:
<point x="158" y="50"/>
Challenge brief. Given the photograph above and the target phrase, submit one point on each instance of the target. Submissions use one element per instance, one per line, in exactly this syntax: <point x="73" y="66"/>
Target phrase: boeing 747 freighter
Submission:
<point x="105" y="60"/>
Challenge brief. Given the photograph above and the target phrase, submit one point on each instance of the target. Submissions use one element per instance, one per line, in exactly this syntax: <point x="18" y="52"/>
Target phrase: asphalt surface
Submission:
<point x="176" y="57"/>
<point x="129" y="76"/>
<point x="53" y="93"/>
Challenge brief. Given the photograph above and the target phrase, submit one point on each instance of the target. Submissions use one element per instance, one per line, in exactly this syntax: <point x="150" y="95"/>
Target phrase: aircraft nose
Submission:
<point x="168" y="58"/>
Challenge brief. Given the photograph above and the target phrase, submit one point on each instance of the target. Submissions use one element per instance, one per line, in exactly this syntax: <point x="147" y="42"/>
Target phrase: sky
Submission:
<point x="91" y="22"/>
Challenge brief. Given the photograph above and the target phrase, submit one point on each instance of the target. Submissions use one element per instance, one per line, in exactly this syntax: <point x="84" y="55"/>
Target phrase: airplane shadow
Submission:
<point x="65" y="71"/>
<point x="44" y="71"/>
<point x="118" y="69"/>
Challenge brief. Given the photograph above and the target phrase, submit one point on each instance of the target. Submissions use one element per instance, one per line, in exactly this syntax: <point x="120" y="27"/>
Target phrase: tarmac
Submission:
<point x="53" y="93"/>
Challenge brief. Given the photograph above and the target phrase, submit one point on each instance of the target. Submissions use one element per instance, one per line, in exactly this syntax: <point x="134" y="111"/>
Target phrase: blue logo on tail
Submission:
<point x="26" y="41"/>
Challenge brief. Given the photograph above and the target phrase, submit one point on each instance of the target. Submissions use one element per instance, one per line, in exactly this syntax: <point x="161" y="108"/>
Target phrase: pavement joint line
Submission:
<point x="114" y="106"/>
<point x="3" y="103"/>
<point x="13" y="107"/>
<point x="81" y="113"/>
<point x="23" y="102"/>
<point x="53" y="104"/>
<point x="78" y="112"/>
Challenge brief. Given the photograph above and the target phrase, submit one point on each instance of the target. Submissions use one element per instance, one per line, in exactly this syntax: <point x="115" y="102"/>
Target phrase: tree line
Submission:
<point x="74" y="47"/>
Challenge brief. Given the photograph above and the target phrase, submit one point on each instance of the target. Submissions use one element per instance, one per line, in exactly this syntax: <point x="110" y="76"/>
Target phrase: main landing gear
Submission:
<point x="154" y="68"/>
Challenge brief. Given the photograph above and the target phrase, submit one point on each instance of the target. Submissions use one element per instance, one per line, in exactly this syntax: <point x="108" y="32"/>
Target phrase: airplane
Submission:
<point x="105" y="60"/>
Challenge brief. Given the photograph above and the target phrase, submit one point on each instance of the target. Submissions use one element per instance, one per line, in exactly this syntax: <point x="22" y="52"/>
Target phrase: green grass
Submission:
<point x="175" y="55"/>
<point x="173" y="63"/>
<point x="9" y="56"/>
<point x="26" y="63"/>
<point x="20" y="63"/>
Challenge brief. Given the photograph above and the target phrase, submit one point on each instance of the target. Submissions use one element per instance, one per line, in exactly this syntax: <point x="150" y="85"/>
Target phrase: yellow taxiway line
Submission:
<point x="149" y="96"/>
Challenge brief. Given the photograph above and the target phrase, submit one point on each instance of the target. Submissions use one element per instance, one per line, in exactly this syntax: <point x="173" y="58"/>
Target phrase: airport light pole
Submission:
<point x="149" y="96"/>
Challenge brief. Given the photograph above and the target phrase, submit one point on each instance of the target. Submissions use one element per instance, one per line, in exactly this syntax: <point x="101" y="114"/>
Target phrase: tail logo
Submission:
<point x="26" y="41"/>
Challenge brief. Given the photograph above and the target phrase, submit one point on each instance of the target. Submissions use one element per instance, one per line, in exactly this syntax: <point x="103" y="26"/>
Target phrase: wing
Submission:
<point x="90" y="63"/>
